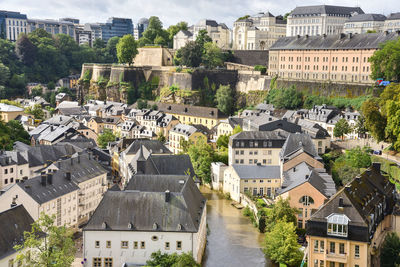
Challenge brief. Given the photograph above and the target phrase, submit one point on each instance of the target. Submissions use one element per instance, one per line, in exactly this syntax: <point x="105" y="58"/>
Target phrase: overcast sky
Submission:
<point x="173" y="11"/>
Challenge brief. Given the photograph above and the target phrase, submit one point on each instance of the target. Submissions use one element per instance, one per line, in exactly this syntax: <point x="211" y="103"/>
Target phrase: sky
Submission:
<point x="172" y="11"/>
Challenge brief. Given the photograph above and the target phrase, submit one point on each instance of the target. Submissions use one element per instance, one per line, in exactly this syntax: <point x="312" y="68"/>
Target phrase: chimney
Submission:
<point x="72" y="161"/>
<point x="68" y="176"/>
<point x="43" y="179"/>
<point x="13" y="203"/>
<point x="298" y="36"/>
<point x="60" y="118"/>
<point x="386" y="33"/>
<point x="79" y="158"/>
<point x="50" y="178"/>
<point x="376" y="166"/>
<point x="341" y="205"/>
<point x="342" y="35"/>
<point x="167" y="196"/>
<point x="350" y="35"/>
<point x="307" y="176"/>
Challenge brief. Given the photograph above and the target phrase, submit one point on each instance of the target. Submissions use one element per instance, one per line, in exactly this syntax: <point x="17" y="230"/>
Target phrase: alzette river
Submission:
<point x="232" y="240"/>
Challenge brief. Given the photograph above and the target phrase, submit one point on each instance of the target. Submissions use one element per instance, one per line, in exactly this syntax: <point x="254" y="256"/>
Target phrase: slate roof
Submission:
<point x="302" y="173"/>
<point x="44" y="193"/>
<point x="337" y="41"/>
<point x="297" y="143"/>
<point x="257" y="171"/>
<point x="169" y="164"/>
<point x="257" y="135"/>
<point x="154" y="146"/>
<point x="393" y="16"/>
<point x="189" y="110"/>
<point x="326" y="9"/>
<point x="207" y="22"/>
<point x="314" y="130"/>
<point x="185" y="129"/>
<point x="150" y="210"/>
<point x="367" y="17"/>
<point x="13" y="223"/>
<point x="59" y="120"/>
<point x="187" y="33"/>
<point x="9" y="108"/>
<point x="157" y="183"/>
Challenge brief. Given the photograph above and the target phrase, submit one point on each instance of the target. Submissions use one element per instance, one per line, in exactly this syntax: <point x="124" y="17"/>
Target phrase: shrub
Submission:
<point x="247" y="212"/>
<point x="260" y="68"/>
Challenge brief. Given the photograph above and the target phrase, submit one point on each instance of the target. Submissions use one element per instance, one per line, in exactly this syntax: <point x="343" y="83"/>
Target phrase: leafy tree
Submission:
<point x="360" y="128"/>
<point x="358" y="158"/>
<point x="390" y="251"/>
<point x="281" y="210"/>
<point x="281" y="244"/>
<point x="106" y="137"/>
<point x="202" y="154"/>
<point x="99" y="43"/>
<point x="36" y="111"/>
<point x="25" y="49"/>
<point x="127" y="49"/>
<point x="17" y="133"/>
<point x="224" y="99"/>
<point x="142" y="104"/>
<point x="111" y="48"/>
<point x="158" y="259"/>
<point x="174" y="29"/>
<point x="154" y="34"/>
<point x="203" y="38"/>
<point x="237" y="129"/>
<point x="212" y="56"/>
<point x="161" y="137"/>
<point x="223" y="141"/>
<point x="342" y="127"/>
<point x="190" y="55"/>
<point x="385" y="62"/>
<point x="46" y="245"/>
<point x="36" y="91"/>
<point x="143" y="41"/>
<point x="4" y="74"/>
<point x="374" y="120"/>
<point x="288" y="98"/>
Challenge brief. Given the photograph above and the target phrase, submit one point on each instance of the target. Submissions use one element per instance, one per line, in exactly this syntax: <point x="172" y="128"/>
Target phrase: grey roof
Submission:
<point x="326" y="9"/>
<point x="256" y="135"/>
<point x="150" y="210"/>
<point x="297" y="143"/>
<point x="157" y="183"/>
<point x="13" y="223"/>
<point x="367" y="17"/>
<point x="207" y="22"/>
<point x="185" y="129"/>
<point x="257" y="171"/>
<point x="9" y="108"/>
<point x="43" y="193"/>
<point x="337" y="41"/>
<point x="155" y="146"/>
<point x="393" y="16"/>
<point x="313" y="129"/>
<point x="59" y="120"/>
<point x="302" y="173"/>
<point x="187" y="33"/>
<point x="169" y="164"/>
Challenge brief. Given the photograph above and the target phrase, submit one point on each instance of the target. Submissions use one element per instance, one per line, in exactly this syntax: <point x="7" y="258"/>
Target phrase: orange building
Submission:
<point x="342" y="58"/>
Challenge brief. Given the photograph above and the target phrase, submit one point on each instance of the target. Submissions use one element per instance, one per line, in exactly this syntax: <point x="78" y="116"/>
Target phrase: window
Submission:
<point x="135" y="245"/>
<point x="142" y="245"/>
<point x="97" y="244"/>
<point x="357" y="251"/>
<point x="306" y="200"/>
<point x="167" y="245"/>
<point x="315" y="263"/>
<point x="96" y="262"/>
<point x="108" y="244"/>
<point x="332" y="247"/>
<point x="341" y="264"/>
<point x="331" y="264"/>
<point x="108" y="262"/>
<point x="321" y="263"/>
<point x="341" y="248"/>
<point x="178" y="245"/>
<point x="11" y="170"/>
<point x="124" y="244"/>
<point x="315" y="245"/>
<point x="322" y="247"/>
<point x="154" y="238"/>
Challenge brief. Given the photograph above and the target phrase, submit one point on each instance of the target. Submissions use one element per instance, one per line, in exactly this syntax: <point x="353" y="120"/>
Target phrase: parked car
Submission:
<point x="377" y="152"/>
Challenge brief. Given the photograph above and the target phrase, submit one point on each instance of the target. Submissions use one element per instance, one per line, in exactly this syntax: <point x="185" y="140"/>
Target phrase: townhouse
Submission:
<point x="182" y="132"/>
<point x="9" y="112"/>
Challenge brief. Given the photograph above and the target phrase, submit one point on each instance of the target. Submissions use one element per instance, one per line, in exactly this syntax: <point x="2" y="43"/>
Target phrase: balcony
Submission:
<point x="342" y="258"/>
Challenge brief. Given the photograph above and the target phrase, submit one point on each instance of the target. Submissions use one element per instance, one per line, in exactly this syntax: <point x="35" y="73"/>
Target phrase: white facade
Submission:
<point x="12" y="173"/>
<point x="14" y="27"/>
<point x="392" y="23"/>
<point x="363" y="23"/>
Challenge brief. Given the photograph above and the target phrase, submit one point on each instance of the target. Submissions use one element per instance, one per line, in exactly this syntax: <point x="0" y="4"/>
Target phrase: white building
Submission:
<point x="319" y="20"/>
<point x="12" y="24"/>
<point x="392" y="23"/>
<point x="362" y="23"/>
<point x="155" y="213"/>
<point x="258" y="32"/>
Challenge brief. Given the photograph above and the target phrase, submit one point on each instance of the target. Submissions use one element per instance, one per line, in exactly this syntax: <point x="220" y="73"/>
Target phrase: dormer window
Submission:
<point x="337" y="224"/>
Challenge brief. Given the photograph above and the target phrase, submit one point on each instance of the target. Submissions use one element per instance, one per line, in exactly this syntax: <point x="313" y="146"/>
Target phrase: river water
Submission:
<point x="232" y="240"/>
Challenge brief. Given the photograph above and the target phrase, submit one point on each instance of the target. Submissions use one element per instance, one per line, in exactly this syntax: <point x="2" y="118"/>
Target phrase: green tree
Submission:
<point x="203" y="38"/>
<point x="25" y="50"/>
<point x="157" y="259"/>
<point x="223" y="141"/>
<point x="190" y="55"/>
<point x="202" y="154"/>
<point x="342" y="127"/>
<point x="281" y="210"/>
<point x="4" y="74"/>
<point x="390" y="251"/>
<point x="46" y="245"/>
<point x="385" y="62"/>
<point x="36" y="111"/>
<point x="99" y="43"/>
<point x="224" y="99"/>
<point x="281" y="244"/>
<point x="17" y="133"/>
<point x="374" y="120"/>
<point x="111" y="48"/>
<point x="127" y="49"/>
<point x="237" y="129"/>
<point x="36" y="91"/>
<point x="288" y="98"/>
<point x="106" y="137"/>
<point x="360" y="127"/>
<point x="358" y="157"/>
<point x="212" y="56"/>
<point x="142" y="104"/>
<point x="161" y="137"/>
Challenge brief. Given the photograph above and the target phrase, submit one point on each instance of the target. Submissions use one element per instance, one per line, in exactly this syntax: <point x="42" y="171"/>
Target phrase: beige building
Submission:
<point x="363" y="23"/>
<point x="328" y="58"/>
<point x="9" y="112"/>
<point x="257" y="180"/>
<point x="319" y="20"/>
<point x="392" y="23"/>
<point x="258" y="32"/>
<point x="13" y="168"/>
<point x="253" y="147"/>
<point x="188" y="133"/>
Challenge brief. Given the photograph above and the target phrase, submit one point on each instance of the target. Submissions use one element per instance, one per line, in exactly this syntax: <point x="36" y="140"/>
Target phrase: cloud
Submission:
<point x="173" y="11"/>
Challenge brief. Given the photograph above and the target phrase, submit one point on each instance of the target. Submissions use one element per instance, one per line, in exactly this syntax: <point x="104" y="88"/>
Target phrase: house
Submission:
<point x="254" y="147"/>
<point x="9" y="112"/>
<point x="13" y="168"/>
<point x="225" y="127"/>
<point x="14" y="222"/>
<point x="307" y="189"/>
<point x="155" y="213"/>
<point x="188" y="133"/>
<point x="324" y="115"/>
<point x="349" y="229"/>
<point x="217" y="175"/>
<point x="61" y="97"/>
<point x="392" y="23"/>
<point x="257" y="180"/>
<point x="318" y="134"/>
<point x="50" y="135"/>
<point x="265" y="122"/>
<point x="364" y="23"/>
<point x="299" y="148"/>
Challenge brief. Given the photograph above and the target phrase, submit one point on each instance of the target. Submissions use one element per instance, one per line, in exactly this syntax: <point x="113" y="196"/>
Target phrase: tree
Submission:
<point x="288" y="98"/>
<point x="36" y="91"/>
<point x="342" y="127"/>
<point x="174" y="29"/>
<point x="46" y="245"/>
<point x="281" y="210"/>
<point x="25" y="49"/>
<point x="36" y="111"/>
<point x="190" y="55"/>
<point x="142" y="104"/>
<point x="374" y="120"/>
<point x="106" y="137"/>
<point x="17" y="133"/>
<point x="127" y="49"/>
<point x="237" y="129"/>
<point x="111" y="48"/>
<point x="212" y="56"/>
<point x="4" y="74"/>
<point x="157" y="259"/>
<point x="223" y="141"/>
<point x="358" y="158"/>
<point x="281" y="244"/>
<point x="390" y="251"/>
<point x="360" y="128"/>
<point x="203" y="38"/>
<point x="202" y="154"/>
<point x="385" y="62"/>
<point x="161" y="137"/>
<point x="224" y="99"/>
<point x="99" y="43"/>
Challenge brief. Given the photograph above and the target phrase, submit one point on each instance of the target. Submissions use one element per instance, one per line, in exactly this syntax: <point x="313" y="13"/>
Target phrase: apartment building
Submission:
<point x="392" y="23"/>
<point x="258" y="32"/>
<point x="253" y="147"/>
<point x="183" y="132"/>
<point x="339" y="58"/>
<point x="128" y="226"/>
<point x="226" y="127"/>
<point x="257" y="180"/>
<point x="319" y="20"/>
<point x="52" y="26"/>
<point x="13" y="168"/>
<point x="307" y="189"/>
<point x="349" y="229"/>
<point x="9" y="112"/>
<point x="363" y="23"/>
<point x="12" y="24"/>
